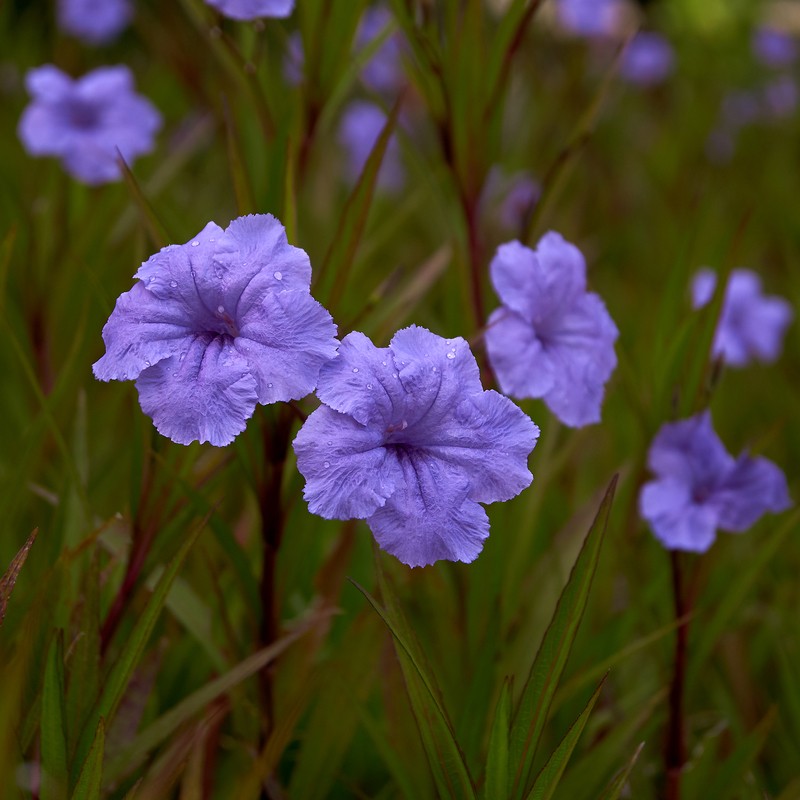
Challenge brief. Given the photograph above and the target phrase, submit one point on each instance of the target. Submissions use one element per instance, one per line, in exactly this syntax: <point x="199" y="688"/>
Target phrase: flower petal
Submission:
<point x="48" y="83"/>
<point x="286" y="341"/>
<point x="207" y="396"/>
<point x="676" y="522"/>
<point x="753" y="487"/>
<point x="430" y="517"/>
<point x="349" y="474"/>
<point x="141" y="331"/>
<point x="253" y="9"/>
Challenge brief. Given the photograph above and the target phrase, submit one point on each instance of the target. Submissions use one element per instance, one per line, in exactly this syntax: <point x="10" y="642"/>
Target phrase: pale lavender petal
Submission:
<point x="753" y="487"/>
<point x="523" y="367"/>
<point x="48" y="83"/>
<point x="704" y="284"/>
<point x="253" y="9"/>
<point x="94" y="21"/>
<point x="207" y="395"/>
<point x="348" y="472"/>
<point x="430" y="516"/>
<point x="676" y="522"/>
<point x="286" y="341"/>
<point x="773" y="47"/>
<point x="648" y="59"/>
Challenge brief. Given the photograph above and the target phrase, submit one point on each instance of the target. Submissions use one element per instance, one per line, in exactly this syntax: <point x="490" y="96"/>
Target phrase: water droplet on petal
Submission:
<point x="221" y="309"/>
<point x="147" y="362"/>
<point x="212" y="240"/>
<point x="329" y="442"/>
<point x="326" y="464"/>
<point x="355" y="369"/>
<point x="369" y="386"/>
<point x="269" y="386"/>
<point x="394" y="374"/>
<point x="403" y="425"/>
<point x="278" y="276"/>
<point x="384" y="363"/>
<point x="195" y="243"/>
<point x="451" y="355"/>
<point x="173" y="284"/>
<point x="434" y="369"/>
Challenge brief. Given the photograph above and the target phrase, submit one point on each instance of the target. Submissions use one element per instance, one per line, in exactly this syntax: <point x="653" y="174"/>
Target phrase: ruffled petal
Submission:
<point x="41" y="131"/>
<point x="521" y="364"/>
<point x="105" y="84"/>
<point x="207" y="395"/>
<point x="752" y="488"/>
<point x="48" y="83"/>
<point x="677" y="522"/>
<point x="349" y="474"/>
<point x="286" y="342"/>
<point x="253" y="9"/>
<point x="430" y="517"/>
<point x="141" y="331"/>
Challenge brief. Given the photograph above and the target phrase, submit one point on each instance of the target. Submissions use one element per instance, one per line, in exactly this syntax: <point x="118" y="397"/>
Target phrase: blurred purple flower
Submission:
<point x="383" y="73"/>
<point x="294" y="59"/>
<point x="773" y="47"/>
<point x="589" y="17"/>
<point x="700" y="487"/>
<point x="740" y="107"/>
<point x="217" y="325"/>
<point x="408" y="440"/>
<point x="751" y="325"/>
<point x="84" y="122"/>
<point x="550" y="338"/>
<point x="648" y="59"/>
<point x="253" y="9"/>
<point x="780" y="97"/>
<point x="359" y="130"/>
<point x="94" y="21"/>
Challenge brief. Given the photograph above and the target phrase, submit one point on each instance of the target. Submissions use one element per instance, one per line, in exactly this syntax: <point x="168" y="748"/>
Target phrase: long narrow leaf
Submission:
<point x="9" y="579"/>
<point x="91" y="775"/>
<point x="616" y="786"/>
<point x="497" y="757"/>
<point x="537" y="695"/>
<point x="55" y="775"/>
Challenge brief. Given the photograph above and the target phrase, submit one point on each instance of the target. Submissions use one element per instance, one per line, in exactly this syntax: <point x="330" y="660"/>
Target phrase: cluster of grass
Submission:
<point x="155" y="642"/>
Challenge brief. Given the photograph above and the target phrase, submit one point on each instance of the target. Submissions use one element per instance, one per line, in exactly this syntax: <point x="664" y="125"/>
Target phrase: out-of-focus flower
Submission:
<point x="648" y="59"/>
<point x="551" y="338"/>
<point x="700" y="487"/>
<point x="84" y="122"/>
<point x="740" y="107"/>
<point x="214" y="326"/>
<point x="773" y="47"/>
<point x="359" y="130"/>
<point x="751" y="325"/>
<point x="383" y="73"/>
<point x="509" y="199"/>
<point x="780" y="97"/>
<point x="589" y="17"/>
<point x="253" y="9"/>
<point x="94" y="21"/>
<point x="408" y="440"/>
<point x="294" y="59"/>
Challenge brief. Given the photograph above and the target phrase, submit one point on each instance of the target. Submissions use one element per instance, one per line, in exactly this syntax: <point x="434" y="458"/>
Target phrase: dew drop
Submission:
<point x="394" y="374"/>
<point x="147" y="362"/>
<point x="195" y="243"/>
<point x="451" y="355"/>
<point x="221" y="309"/>
<point x="173" y="284"/>
<point x="434" y="369"/>
<point x="183" y="355"/>
<point x="329" y="442"/>
<point x="326" y="464"/>
<point x="369" y="386"/>
<point x="278" y="276"/>
<point x="355" y="369"/>
<point x="403" y="425"/>
<point x="269" y="386"/>
<point x="384" y="363"/>
<point x="212" y="240"/>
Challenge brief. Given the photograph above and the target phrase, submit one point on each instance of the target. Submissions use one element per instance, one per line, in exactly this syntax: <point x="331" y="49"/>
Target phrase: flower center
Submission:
<point x="83" y="115"/>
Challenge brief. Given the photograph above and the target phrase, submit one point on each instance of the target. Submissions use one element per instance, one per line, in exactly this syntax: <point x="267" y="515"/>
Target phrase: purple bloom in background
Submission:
<point x="94" y="21"/>
<point x="700" y="487"/>
<point x="253" y="9"/>
<point x="648" y="59"/>
<point x="408" y="440"/>
<point x="294" y="59"/>
<point x="359" y="130"/>
<point x="751" y="325"/>
<point x="217" y="325"/>
<point x="550" y="338"/>
<point x="780" y="97"/>
<point x="589" y="17"/>
<point x="383" y="73"/>
<point x="774" y="48"/>
<point x="84" y="122"/>
<point x="740" y="107"/>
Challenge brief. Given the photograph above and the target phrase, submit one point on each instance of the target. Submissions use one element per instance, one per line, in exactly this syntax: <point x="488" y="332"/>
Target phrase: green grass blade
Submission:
<point x="497" y="756"/>
<point x="614" y="789"/>
<point x="120" y="675"/>
<point x="548" y="779"/>
<point x="155" y="229"/>
<point x="444" y="755"/>
<point x="91" y="775"/>
<point x="55" y="774"/>
<point x="540" y="688"/>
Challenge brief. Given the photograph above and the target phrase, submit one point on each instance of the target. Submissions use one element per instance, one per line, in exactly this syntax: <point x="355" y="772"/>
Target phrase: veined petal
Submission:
<point x="286" y="342"/>
<point x="207" y="395"/>
<point x="141" y="331"/>
<point x="349" y="474"/>
<point x="430" y="517"/>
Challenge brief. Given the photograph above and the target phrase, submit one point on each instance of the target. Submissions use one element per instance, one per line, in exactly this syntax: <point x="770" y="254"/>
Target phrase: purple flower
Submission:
<point x="94" y="21"/>
<point x="751" y="325"/>
<point x="780" y="97"/>
<point x="700" y="487"/>
<point x="216" y="325"/>
<point x="550" y="338"/>
<point x="648" y="59"/>
<point x="774" y="48"/>
<point x="383" y="73"/>
<point x="589" y="17"/>
<point x="253" y="9"/>
<point x="359" y="130"/>
<point x="408" y="440"/>
<point x="84" y="122"/>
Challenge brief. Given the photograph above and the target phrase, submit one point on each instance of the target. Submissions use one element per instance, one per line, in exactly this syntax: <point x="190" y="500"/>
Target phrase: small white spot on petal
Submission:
<point x="221" y="309"/>
<point x="403" y="425"/>
<point x="355" y="369"/>
<point x="269" y="386"/>
<point x="195" y="243"/>
<point x="147" y="362"/>
<point x="173" y="284"/>
<point x="451" y="355"/>
<point x="369" y="386"/>
<point x="278" y="276"/>
<point x="326" y="464"/>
